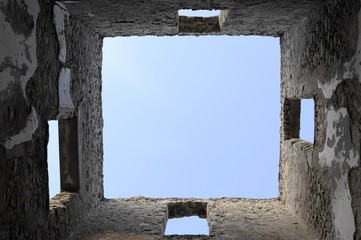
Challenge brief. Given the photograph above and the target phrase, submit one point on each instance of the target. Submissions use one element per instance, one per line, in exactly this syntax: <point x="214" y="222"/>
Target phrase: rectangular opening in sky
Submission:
<point x="191" y="116"/>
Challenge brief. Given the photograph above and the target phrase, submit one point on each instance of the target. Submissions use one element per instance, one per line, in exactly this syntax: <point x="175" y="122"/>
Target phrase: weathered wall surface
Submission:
<point x="79" y="83"/>
<point x="247" y="17"/>
<point x="24" y="109"/>
<point x="50" y="68"/>
<point x="85" y="58"/>
<point x="228" y="218"/>
<point x="320" y="180"/>
<point x="41" y="78"/>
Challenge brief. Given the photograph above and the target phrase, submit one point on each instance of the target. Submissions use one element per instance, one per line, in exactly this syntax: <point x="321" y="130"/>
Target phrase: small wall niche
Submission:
<point x="291" y="118"/>
<point x="307" y="120"/>
<point x="201" y="21"/>
<point x="187" y="218"/>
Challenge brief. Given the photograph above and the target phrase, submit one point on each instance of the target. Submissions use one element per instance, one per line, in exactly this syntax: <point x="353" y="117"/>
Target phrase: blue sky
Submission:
<point x="189" y="117"/>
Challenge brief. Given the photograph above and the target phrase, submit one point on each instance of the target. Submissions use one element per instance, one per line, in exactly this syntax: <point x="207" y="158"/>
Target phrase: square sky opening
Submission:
<point x="186" y="116"/>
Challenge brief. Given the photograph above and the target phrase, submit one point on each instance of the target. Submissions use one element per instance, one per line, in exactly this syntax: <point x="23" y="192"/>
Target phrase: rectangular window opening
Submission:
<point x="307" y="120"/>
<point x="187" y="218"/>
<point x="53" y="159"/>
<point x="180" y="110"/>
<point x="63" y="164"/>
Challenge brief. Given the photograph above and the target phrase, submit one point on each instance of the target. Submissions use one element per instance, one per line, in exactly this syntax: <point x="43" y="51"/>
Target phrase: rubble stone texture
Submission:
<point x="50" y="68"/>
<point x="228" y="218"/>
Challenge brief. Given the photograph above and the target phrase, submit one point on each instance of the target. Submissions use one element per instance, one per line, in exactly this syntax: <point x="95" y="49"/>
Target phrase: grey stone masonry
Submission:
<point x="50" y="69"/>
<point x="228" y="218"/>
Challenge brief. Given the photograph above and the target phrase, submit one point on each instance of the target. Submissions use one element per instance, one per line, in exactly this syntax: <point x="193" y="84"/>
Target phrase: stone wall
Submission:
<point x="50" y="69"/>
<point x="160" y="18"/>
<point x="84" y="51"/>
<point x="81" y="54"/>
<point x="320" y="60"/>
<point x="23" y="113"/>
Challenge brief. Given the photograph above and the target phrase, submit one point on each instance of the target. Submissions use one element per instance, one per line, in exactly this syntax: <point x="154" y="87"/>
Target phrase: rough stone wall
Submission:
<point x="81" y="55"/>
<point x="142" y="218"/>
<point x="160" y="18"/>
<point x="50" y="68"/>
<point x="25" y="108"/>
<point x="320" y="180"/>
<point x="84" y="50"/>
<point x="41" y="79"/>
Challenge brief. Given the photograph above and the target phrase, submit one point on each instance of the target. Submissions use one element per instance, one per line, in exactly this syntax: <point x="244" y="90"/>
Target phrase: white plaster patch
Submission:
<point x="61" y="16"/>
<point x="26" y="134"/>
<point x="342" y="210"/>
<point x="341" y="152"/>
<point x="19" y="50"/>
<point x="352" y="68"/>
<point x="66" y="106"/>
<point x="330" y="155"/>
<point x="18" y="53"/>
<point x="334" y="157"/>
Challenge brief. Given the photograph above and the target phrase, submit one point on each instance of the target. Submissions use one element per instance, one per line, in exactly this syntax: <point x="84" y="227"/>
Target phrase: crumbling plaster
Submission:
<point x="66" y="105"/>
<point x="339" y="155"/>
<point x="33" y="59"/>
<point x="61" y="18"/>
<point x="18" y="62"/>
<point x="327" y="63"/>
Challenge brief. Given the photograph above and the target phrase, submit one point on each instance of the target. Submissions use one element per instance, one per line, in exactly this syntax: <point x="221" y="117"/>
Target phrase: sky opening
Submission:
<point x="307" y="120"/>
<point x="191" y="116"/>
<point x="198" y="13"/>
<point x="53" y="159"/>
<point x="187" y="226"/>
